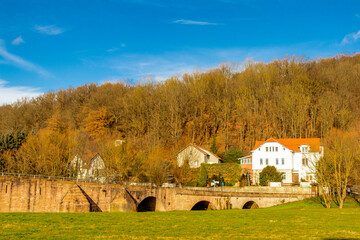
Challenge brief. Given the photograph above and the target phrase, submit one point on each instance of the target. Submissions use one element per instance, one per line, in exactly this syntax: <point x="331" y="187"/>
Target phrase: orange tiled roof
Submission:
<point x="293" y="143"/>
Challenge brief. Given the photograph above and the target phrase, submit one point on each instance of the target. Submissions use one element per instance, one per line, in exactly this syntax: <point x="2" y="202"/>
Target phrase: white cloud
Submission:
<point x="10" y="94"/>
<point x="350" y="38"/>
<point x="191" y="22"/>
<point x="12" y="59"/>
<point x="114" y="49"/>
<point x="17" y="41"/>
<point x="49" y="29"/>
<point x="135" y="67"/>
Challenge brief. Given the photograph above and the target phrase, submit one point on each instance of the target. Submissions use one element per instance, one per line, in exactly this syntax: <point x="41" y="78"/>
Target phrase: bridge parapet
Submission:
<point x="49" y="195"/>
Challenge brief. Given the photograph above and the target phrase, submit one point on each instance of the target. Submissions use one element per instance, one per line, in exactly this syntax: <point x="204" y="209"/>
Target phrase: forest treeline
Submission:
<point x="287" y="98"/>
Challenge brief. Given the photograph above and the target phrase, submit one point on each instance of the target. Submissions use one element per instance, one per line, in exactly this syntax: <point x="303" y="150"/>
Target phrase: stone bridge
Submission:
<point x="42" y="195"/>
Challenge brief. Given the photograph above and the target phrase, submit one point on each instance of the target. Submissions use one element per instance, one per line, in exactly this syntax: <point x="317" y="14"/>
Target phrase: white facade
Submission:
<point x="96" y="169"/>
<point x="295" y="158"/>
<point x="195" y="156"/>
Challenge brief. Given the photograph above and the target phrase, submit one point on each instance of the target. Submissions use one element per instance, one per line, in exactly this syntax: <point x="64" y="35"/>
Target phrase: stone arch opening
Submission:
<point x="147" y="205"/>
<point x="202" y="205"/>
<point x="250" y="205"/>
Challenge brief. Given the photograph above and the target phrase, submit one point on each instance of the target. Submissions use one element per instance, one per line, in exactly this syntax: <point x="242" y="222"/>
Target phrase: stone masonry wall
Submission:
<point x="43" y="195"/>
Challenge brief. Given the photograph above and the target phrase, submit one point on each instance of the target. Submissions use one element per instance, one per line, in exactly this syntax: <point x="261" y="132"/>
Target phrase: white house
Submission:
<point x="95" y="169"/>
<point x="195" y="156"/>
<point x="294" y="158"/>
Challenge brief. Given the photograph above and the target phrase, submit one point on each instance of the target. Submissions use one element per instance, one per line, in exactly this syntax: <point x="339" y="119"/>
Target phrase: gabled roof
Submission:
<point x="293" y="143"/>
<point x="246" y="157"/>
<point x="202" y="150"/>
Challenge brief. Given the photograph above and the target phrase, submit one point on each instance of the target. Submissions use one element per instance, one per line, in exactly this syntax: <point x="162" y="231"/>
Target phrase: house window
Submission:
<point x="196" y="163"/>
<point x="277" y="161"/>
<point x="308" y="177"/>
<point x="267" y="149"/>
<point x="259" y="149"/>
<point x="305" y="162"/>
<point x="305" y="149"/>
<point x="284" y="149"/>
<point x="261" y="161"/>
<point x="276" y="149"/>
<point x="272" y="148"/>
<point x="283" y="176"/>
<point x="282" y="161"/>
<point x="267" y="161"/>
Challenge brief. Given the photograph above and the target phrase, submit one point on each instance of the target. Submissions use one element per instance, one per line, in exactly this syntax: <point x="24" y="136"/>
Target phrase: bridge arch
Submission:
<point x="201" y="205"/>
<point x="250" y="205"/>
<point x="147" y="205"/>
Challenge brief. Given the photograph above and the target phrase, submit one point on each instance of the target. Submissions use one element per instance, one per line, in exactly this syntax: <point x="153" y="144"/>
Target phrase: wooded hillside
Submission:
<point x="288" y="98"/>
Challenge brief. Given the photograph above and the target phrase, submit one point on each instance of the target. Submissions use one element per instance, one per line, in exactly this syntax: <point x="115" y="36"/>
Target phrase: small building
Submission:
<point x="196" y="155"/>
<point x="294" y="158"/>
<point x="93" y="169"/>
<point x="246" y="165"/>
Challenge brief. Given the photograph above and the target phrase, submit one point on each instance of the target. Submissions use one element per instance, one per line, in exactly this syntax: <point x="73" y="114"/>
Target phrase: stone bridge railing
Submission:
<point x="246" y="190"/>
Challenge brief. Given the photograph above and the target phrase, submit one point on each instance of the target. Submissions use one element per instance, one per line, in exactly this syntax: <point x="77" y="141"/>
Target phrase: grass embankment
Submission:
<point x="301" y="220"/>
<point x="311" y="203"/>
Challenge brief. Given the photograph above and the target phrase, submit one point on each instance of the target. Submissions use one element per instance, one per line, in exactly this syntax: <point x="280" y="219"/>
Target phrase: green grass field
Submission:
<point x="300" y="220"/>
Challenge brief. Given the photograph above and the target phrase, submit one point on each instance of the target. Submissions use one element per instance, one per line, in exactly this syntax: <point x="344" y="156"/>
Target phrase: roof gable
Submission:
<point x="202" y="150"/>
<point x="293" y="144"/>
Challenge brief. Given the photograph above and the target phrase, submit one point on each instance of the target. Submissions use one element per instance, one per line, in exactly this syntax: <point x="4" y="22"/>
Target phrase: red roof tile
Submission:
<point x="294" y="143"/>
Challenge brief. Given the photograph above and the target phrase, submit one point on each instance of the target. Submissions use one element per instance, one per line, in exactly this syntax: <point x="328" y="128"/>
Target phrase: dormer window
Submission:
<point x="305" y="149"/>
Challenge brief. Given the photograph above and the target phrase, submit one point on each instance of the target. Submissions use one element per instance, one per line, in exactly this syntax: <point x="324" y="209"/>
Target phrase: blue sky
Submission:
<point x="46" y="45"/>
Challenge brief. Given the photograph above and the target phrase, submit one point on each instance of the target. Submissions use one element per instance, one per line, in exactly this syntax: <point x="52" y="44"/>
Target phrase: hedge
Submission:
<point x="231" y="172"/>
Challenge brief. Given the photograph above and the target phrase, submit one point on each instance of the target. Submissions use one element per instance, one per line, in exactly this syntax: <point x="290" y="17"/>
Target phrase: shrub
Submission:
<point x="269" y="174"/>
<point x="203" y="178"/>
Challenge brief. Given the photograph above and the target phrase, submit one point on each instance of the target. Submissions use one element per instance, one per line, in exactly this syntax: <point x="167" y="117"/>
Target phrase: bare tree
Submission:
<point x="337" y="166"/>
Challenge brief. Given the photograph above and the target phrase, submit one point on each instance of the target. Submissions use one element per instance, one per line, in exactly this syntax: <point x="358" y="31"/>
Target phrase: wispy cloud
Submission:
<point x="116" y="48"/>
<point x="12" y="59"/>
<point x="17" y="41"/>
<point x="146" y="2"/>
<point x="350" y="38"/>
<point x="10" y="94"/>
<point x="191" y="22"/>
<point x="49" y="29"/>
<point x="164" y="65"/>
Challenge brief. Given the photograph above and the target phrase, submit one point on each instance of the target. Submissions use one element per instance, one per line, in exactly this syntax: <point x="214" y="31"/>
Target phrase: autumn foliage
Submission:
<point x="287" y="98"/>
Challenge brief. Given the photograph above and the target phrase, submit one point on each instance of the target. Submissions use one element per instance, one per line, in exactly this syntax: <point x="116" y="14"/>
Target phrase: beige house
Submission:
<point x="94" y="169"/>
<point x="195" y="156"/>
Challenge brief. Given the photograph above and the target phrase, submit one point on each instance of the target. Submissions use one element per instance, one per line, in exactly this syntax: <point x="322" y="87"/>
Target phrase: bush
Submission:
<point x="203" y="178"/>
<point x="269" y="174"/>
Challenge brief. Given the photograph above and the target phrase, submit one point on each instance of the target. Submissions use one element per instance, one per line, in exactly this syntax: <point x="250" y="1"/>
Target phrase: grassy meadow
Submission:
<point x="300" y="220"/>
